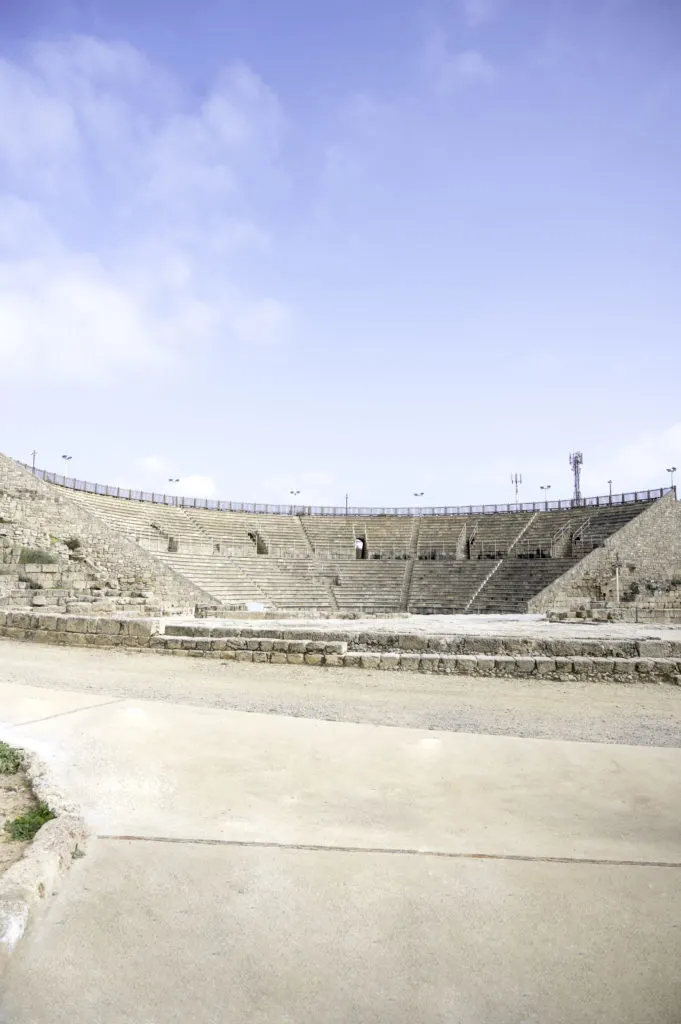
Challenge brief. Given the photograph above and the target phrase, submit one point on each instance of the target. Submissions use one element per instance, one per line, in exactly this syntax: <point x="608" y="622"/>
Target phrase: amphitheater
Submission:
<point x="382" y="588"/>
<point x="406" y="765"/>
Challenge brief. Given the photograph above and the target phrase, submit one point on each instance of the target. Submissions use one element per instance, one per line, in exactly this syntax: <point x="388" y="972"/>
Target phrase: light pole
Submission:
<point x="174" y="480"/>
<point x="617" y="563"/>
<point x="33" y="455"/>
<point x="67" y="459"/>
<point x="610" y="490"/>
<point x="516" y="480"/>
<point x="546" y="488"/>
<point x="295" y="495"/>
<point x="671" y="470"/>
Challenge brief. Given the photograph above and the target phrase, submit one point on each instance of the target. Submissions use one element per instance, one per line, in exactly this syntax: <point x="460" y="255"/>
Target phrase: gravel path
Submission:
<point x="638" y="714"/>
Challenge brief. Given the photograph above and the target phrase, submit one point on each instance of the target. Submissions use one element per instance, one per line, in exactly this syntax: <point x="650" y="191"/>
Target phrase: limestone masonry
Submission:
<point x="71" y="551"/>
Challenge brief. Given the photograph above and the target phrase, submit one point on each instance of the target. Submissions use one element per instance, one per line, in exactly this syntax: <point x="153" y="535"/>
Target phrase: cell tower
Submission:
<point x="576" y="460"/>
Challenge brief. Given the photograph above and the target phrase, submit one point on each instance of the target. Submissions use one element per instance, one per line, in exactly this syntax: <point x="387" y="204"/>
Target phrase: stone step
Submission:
<point x="333" y="654"/>
<point x="379" y="642"/>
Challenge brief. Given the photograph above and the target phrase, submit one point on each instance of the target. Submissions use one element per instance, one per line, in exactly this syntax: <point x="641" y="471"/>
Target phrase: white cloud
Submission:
<point x="152" y="464"/>
<point x="478" y="12"/>
<point x="449" y="70"/>
<point x="121" y="211"/>
<point x="261" y="323"/>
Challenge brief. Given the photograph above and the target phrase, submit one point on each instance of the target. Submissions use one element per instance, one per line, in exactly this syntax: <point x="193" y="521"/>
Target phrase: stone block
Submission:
<point x="352" y="659"/>
<point x="408" y="662"/>
<point x="653" y="649"/>
<point x="335" y="647"/>
<point x="280" y="645"/>
<point x="370" y="660"/>
<point x="524" y="667"/>
<point x="278" y="658"/>
<point x="297" y="647"/>
<point x="47" y="622"/>
<point x="244" y="655"/>
<point x="102" y="641"/>
<point x="388" y="662"/>
<point x="295" y="658"/>
<point x="14" y="633"/>
<point x="644" y="666"/>
<point x="333" y="660"/>
<point x="545" y="667"/>
<point x="504" y="665"/>
<point x="228" y="655"/>
<point x="19" y="620"/>
<point x="141" y="628"/>
<point x="583" y="667"/>
<point x="266" y="645"/>
<point x="466" y="664"/>
<point x="252" y="645"/>
<point x="76" y="624"/>
<point x="260" y="656"/>
<point x="316" y="646"/>
<point x="110" y="627"/>
<point x="313" y="658"/>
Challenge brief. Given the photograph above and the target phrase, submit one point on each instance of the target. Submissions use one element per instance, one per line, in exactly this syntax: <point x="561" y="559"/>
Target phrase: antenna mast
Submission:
<point x="576" y="460"/>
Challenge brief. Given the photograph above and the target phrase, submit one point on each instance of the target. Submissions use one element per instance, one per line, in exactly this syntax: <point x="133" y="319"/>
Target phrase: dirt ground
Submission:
<point x="642" y="714"/>
<point x="16" y="798"/>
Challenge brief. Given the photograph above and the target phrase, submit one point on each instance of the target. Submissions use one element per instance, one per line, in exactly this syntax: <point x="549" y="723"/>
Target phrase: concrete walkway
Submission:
<point x="269" y="869"/>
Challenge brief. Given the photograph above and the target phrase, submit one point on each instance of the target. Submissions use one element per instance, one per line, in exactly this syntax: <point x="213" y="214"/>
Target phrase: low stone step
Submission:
<point x="248" y="642"/>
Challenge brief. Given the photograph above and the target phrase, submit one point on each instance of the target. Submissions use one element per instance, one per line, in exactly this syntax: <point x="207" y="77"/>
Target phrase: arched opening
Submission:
<point x="361" y="548"/>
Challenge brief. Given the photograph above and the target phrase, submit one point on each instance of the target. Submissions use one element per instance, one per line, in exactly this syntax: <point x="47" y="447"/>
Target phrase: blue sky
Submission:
<point x="342" y="247"/>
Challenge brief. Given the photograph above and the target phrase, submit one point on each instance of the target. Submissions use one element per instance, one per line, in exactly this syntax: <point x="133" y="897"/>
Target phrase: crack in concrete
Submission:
<point x="73" y="711"/>
<point x="393" y="851"/>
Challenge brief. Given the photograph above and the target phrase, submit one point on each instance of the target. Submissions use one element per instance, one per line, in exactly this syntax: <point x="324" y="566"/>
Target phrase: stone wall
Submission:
<point x="36" y="515"/>
<point x="648" y="548"/>
<point x="623" y="661"/>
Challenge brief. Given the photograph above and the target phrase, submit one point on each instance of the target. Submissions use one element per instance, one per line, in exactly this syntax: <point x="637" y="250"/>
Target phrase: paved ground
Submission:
<point x="261" y="867"/>
<point x="478" y="625"/>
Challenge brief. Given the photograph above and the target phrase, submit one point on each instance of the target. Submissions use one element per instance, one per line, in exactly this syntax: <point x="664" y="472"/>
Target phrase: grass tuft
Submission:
<point x="25" y="827"/>
<point x="10" y="760"/>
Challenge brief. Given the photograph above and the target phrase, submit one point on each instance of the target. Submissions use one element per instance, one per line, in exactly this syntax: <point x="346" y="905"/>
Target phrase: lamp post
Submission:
<point x="174" y="480"/>
<point x="67" y="459"/>
<point x="610" y="490"/>
<point x="346" y="504"/>
<point x="546" y="488"/>
<point x="617" y="563"/>
<point x="33" y="455"/>
<point x="295" y="495"/>
<point x="671" y="470"/>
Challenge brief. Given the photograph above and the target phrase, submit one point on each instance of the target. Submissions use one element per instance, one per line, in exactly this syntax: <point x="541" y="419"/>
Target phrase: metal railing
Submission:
<point x="216" y="505"/>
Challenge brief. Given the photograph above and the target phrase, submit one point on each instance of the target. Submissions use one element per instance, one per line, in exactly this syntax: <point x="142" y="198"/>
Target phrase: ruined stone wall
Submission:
<point x="37" y="515"/>
<point x="648" y="547"/>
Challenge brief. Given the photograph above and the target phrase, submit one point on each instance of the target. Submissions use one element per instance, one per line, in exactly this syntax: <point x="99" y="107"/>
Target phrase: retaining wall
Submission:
<point x="503" y="657"/>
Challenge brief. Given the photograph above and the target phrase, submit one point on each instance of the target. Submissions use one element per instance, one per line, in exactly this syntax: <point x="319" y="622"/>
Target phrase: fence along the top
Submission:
<point x="321" y="510"/>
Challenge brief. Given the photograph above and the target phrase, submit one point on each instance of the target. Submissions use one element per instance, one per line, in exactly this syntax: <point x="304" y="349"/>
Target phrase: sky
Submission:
<point x="362" y="247"/>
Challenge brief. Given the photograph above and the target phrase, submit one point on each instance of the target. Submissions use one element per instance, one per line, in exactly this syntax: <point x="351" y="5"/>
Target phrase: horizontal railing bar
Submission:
<point x="257" y="508"/>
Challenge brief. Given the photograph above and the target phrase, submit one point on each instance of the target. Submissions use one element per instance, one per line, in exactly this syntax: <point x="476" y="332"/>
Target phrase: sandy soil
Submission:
<point x="16" y="798"/>
<point x="636" y="713"/>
